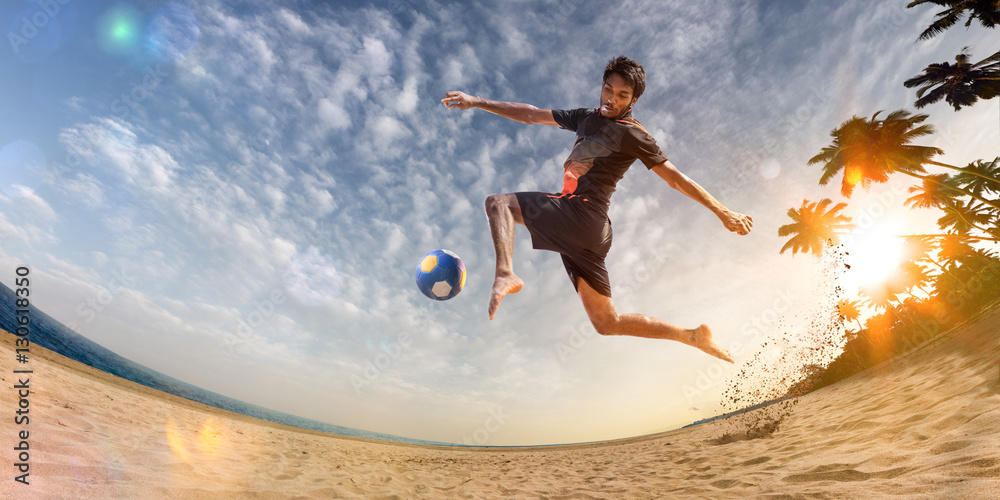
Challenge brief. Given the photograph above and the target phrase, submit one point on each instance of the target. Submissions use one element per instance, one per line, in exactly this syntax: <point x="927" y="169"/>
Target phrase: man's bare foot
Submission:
<point x="701" y="338"/>
<point x="503" y="285"/>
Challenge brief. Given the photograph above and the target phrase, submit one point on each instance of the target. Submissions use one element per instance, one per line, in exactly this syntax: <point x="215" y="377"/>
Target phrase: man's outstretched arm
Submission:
<point x="734" y="221"/>
<point x="524" y="113"/>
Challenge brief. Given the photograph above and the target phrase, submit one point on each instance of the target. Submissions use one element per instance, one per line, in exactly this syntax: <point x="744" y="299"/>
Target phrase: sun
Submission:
<point x="873" y="254"/>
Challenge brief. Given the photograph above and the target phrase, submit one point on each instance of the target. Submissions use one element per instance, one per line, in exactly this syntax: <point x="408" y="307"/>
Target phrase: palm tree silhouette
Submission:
<point x="973" y="181"/>
<point x="870" y="150"/>
<point x="934" y="191"/>
<point x="955" y="248"/>
<point x="977" y="176"/>
<point x="986" y="11"/>
<point x="814" y="226"/>
<point x="850" y="311"/>
<point x="937" y="191"/>
<point x="918" y="248"/>
<point x="961" y="218"/>
<point x="961" y="84"/>
<point x="881" y="295"/>
<point x="913" y="275"/>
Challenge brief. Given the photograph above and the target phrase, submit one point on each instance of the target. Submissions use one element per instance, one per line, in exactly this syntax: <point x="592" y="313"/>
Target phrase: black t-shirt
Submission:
<point x="609" y="147"/>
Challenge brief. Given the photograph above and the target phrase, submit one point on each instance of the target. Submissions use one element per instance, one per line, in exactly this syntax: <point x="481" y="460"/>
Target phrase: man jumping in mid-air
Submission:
<point x="575" y="222"/>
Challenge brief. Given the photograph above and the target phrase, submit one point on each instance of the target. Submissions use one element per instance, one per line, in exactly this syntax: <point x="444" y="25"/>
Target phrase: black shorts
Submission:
<point x="574" y="227"/>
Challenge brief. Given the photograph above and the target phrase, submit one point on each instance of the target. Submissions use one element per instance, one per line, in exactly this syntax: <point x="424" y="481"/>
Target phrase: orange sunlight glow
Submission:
<point x="852" y="174"/>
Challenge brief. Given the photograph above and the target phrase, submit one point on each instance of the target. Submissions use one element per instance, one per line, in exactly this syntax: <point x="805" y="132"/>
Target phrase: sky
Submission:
<point x="237" y="193"/>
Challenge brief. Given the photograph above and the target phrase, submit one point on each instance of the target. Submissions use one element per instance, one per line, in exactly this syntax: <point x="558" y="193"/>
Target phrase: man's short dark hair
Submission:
<point x="630" y="71"/>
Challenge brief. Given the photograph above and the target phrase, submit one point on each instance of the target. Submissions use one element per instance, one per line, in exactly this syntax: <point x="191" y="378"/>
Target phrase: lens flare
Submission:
<point x="209" y="438"/>
<point x="205" y="443"/>
<point x="175" y="441"/>
<point x="120" y="29"/>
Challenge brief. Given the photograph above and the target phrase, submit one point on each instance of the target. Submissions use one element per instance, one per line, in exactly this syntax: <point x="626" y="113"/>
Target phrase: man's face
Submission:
<point x="616" y="96"/>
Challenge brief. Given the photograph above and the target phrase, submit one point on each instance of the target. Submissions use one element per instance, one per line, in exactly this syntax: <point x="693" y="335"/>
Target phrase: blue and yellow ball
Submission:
<point x="440" y="274"/>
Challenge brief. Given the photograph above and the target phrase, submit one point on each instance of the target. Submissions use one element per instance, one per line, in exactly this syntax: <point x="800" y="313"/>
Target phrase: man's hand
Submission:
<point x="460" y="100"/>
<point x="737" y="222"/>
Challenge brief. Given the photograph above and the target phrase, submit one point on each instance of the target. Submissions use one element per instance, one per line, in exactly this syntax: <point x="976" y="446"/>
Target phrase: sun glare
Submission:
<point x="852" y="174"/>
<point x="873" y="255"/>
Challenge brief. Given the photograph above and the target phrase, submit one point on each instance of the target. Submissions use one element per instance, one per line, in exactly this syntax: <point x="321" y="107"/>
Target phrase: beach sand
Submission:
<point x="926" y="425"/>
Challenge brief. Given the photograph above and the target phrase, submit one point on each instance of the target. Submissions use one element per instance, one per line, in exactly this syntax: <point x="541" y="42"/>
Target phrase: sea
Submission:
<point x="54" y="336"/>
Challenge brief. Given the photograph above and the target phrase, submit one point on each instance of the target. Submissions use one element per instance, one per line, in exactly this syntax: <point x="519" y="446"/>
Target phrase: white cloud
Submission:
<point x="83" y="188"/>
<point x="28" y="202"/>
<point x="332" y="115"/>
<point x="294" y="22"/>
<point x="312" y="278"/>
<point x="9" y="231"/>
<point x="408" y="98"/>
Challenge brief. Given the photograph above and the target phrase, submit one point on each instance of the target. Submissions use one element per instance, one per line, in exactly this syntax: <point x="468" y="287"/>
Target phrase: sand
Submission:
<point x="926" y="425"/>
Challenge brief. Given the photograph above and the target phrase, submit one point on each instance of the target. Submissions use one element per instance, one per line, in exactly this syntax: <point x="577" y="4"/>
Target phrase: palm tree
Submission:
<point x="938" y="191"/>
<point x="918" y="248"/>
<point x="977" y="175"/>
<point x="962" y="218"/>
<point x="934" y="191"/>
<point x="913" y="275"/>
<point x="986" y="11"/>
<point x="881" y="295"/>
<point x="961" y="84"/>
<point x="869" y="150"/>
<point x="849" y="310"/>
<point x="955" y="248"/>
<point x="814" y="226"/>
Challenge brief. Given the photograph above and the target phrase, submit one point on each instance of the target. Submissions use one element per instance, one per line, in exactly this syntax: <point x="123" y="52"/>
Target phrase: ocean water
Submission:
<point x="56" y="337"/>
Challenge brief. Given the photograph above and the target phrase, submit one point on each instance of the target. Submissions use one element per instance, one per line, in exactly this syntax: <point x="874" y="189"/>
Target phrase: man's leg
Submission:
<point x="503" y="212"/>
<point x="607" y="321"/>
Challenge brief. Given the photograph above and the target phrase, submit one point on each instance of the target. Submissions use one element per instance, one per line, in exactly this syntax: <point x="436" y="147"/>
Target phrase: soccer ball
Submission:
<point x="440" y="275"/>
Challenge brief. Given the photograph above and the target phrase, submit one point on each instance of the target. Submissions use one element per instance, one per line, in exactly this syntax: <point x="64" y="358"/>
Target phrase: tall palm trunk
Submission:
<point x="977" y="238"/>
<point x="959" y="189"/>
<point x="960" y="215"/>
<point x="964" y="171"/>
